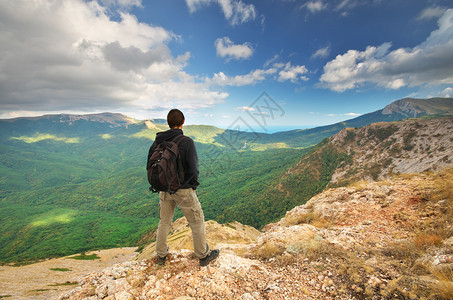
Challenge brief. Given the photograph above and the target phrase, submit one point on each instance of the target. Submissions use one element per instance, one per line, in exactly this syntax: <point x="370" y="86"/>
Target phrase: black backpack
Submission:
<point x="165" y="172"/>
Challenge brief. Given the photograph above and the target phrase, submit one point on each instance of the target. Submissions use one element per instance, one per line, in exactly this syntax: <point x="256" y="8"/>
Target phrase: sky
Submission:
<point x="238" y="64"/>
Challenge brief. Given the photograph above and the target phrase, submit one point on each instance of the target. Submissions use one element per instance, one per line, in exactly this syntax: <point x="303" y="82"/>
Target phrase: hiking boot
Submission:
<point x="161" y="260"/>
<point x="210" y="257"/>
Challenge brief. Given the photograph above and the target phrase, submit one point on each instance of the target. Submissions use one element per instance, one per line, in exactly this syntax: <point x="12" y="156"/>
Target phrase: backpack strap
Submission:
<point x="178" y="139"/>
<point x="180" y="168"/>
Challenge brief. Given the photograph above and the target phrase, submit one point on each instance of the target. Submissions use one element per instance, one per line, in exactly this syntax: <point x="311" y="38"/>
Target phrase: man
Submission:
<point x="185" y="197"/>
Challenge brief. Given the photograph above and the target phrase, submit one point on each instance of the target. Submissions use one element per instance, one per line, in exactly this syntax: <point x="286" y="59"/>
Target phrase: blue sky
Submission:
<point x="318" y="62"/>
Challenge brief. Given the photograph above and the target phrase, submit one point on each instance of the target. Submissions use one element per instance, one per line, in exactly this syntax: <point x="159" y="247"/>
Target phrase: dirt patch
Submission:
<point x="50" y="278"/>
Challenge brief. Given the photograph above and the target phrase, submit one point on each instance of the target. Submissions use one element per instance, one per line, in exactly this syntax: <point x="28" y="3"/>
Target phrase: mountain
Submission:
<point x="416" y="108"/>
<point x="64" y="124"/>
<point x="75" y="183"/>
<point x="104" y="123"/>
<point x="376" y="151"/>
<point x="396" y="111"/>
<point x="380" y="150"/>
<point x="115" y="119"/>
<point x="71" y="183"/>
<point x="365" y="241"/>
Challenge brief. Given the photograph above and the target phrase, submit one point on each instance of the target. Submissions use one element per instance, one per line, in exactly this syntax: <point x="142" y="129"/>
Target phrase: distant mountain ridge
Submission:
<point x="106" y="117"/>
<point x="114" y="119"/>
<point x="395" y="111"/>
<point x="414" y="108"/>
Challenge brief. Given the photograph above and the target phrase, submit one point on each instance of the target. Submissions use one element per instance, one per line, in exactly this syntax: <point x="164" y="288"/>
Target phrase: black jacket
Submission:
<point x="187" y="152"/>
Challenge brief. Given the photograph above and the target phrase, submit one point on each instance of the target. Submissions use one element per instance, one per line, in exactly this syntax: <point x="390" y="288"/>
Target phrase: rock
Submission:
<point x="443" y="259"/>
<point x="191" y="291"/>
<point x="372" y="262"/>
<point x="247" y="296"/>
<point x="136" y="280"/>
<point x="374" y="281"/>
<point x="116" y="286"/>
<point x="124" y="296"/>
<point x="271" y="286"/>
<point x="449" y="242"/>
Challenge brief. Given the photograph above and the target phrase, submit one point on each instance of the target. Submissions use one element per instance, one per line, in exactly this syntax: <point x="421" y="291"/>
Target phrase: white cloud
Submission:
<point x="341" y="7"/>
<point x="431" y="13"/>
<point x="271" y="60"/>
<point x="447" y="92"/>
<point x="69" y="55"/>
<point x="251" y="78"/>
<point x="292" y="73"/>
<point x="132" y="58"/>
<point x="245" y="108"/>
<point x="345" y="6"/>
<point x="226" y="48"/>
<point x="193" y="5"/>
<point x="121" y="3"/>
<point x="314" y="6"/>
<point x="285" y="72"/>
<point x="321" y="53"/>
<point x="235" y="11"/>
<point x="351" y="114"/>
<point x="430" y="63"/>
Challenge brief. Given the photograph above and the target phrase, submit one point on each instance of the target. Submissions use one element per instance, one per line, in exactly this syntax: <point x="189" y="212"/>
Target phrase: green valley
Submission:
<point x="73" y="183"/>
<point x="60" y="198"/>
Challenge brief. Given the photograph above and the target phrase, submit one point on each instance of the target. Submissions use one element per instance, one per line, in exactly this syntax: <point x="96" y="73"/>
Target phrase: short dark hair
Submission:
<point x="175" y="118"/>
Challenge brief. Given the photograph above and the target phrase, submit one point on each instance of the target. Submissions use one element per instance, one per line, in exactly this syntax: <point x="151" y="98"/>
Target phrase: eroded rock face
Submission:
<point x="369" y="240"/>
<point x="403" y="107"/>
<point x="382" y="149"/>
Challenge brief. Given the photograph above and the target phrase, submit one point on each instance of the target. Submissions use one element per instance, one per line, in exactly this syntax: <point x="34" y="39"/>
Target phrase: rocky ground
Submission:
<point x="384" y="240"/>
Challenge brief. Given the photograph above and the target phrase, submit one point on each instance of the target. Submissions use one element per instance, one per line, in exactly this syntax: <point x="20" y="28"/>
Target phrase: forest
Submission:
<point x="70" y="184"/>
<point x="67" y="191"/>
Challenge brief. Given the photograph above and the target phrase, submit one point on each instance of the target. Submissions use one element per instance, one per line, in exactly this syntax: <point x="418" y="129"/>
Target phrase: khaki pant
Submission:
<point x="187" y="201"/>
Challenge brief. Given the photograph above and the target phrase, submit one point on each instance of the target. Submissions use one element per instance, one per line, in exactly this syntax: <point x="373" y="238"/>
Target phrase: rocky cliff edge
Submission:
<point x="383" y="240"/>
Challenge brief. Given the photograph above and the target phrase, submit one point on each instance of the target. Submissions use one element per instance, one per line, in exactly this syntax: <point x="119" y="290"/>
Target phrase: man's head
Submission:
<point x="175" y="118"/>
